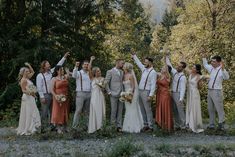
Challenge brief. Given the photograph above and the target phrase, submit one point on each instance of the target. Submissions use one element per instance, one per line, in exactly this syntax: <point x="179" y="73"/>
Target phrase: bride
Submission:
<point x="133" y="121"/>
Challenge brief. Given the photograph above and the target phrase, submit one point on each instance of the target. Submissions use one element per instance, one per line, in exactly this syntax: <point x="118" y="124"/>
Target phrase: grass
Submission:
<point x="123" y="148"/>
<point x="163" y="148"/>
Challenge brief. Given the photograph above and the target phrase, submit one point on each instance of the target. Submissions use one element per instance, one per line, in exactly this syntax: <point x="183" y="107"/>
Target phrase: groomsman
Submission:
<point x="114" y="87"/>
<point x="215" y="93"/>
<point x="178" y="91"/>
<point x="83" y="91"/>
<point x="43" y="83"/>
<point x="147" y="88"/>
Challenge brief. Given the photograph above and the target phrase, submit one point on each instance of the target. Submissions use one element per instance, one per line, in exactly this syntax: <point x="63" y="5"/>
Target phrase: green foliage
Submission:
<point x="163" y="148"/>
<point x="197" y="26"/>
<point x="123" y="148"/>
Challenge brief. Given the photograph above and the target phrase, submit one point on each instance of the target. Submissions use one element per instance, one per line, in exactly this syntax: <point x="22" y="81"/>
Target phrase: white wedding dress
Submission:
<point x="133" y="121"/>
<point x="193" y="108"/>
<point x="30" y="120"/>
<point x="97" y="107"/>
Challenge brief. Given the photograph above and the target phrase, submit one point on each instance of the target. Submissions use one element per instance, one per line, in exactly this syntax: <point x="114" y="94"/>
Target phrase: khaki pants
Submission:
<point x="82" y="104"/>
<point x="215" y="102"/>
<point x="178" y="110"/>
<point x="46" y="110"/>
<point x="116" y="111"/>
<point x="145" y="107"/>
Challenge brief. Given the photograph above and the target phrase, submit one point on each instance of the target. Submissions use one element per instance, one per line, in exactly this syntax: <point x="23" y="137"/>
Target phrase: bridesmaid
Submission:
<point x="60" y="108"/>
<point x="97" y="105"/>
<point x="193" y="107"/>
<point x="164" y="113"/>
<point x="30" y="121"/>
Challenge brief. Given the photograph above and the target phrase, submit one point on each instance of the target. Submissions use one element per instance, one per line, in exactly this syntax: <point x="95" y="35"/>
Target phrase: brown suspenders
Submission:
<point x="147" y="79"/>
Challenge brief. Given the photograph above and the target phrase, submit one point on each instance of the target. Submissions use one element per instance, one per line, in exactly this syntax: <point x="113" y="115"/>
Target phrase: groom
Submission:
<point x="114" y="87"/>
<point x="147" y="88"/>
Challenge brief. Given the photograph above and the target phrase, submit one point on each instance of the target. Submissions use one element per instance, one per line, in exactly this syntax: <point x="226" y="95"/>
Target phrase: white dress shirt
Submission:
<point x="179" y="80"/>
<point x="40" y="83"/>
<point x="85" y="79"/>
<point x="117" y="71"/>
<point x="217" y="81"/>
<point x="151" y="81"/>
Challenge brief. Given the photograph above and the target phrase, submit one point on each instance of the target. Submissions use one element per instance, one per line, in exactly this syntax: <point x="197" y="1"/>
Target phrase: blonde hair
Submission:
<point x="21" y="73"/>
<point x="128" y="66"/>
<point x="94" y="69"/>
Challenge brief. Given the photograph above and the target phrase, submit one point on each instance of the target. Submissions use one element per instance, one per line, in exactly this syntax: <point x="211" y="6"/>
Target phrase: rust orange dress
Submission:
<point x="60" y="111"/>
<point x="164" y="113"/>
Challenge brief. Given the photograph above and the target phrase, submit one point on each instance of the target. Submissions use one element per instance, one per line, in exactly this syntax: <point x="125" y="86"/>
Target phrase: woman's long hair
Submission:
<point x="21" y="73"/>
<point x="94" y="69"/>
<point x="198" y="68"/>
<point x="57" y="68"/>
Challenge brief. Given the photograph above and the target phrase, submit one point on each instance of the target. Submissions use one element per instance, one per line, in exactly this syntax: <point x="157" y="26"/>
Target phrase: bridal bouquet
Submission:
<point x="101" y="84"/>
<point x="61" y="98"/>
<point x="126" y="96"/>
<point x="31" y="89"/>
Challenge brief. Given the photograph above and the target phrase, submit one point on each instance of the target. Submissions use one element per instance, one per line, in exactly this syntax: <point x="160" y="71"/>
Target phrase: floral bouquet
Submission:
<point x="31" y="89"/>
<point x="101" y="84"/>
<point x="61" y="98"/>
<point x="126" y="96"/>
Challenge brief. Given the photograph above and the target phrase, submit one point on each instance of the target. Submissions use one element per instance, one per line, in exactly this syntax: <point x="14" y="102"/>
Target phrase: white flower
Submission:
<point x="31" y="89"/>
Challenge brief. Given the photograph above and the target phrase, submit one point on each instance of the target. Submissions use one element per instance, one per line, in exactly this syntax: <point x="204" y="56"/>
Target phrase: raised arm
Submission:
<point x="90" y="67"/>
<point x="206" y="65"/>
<point x="224" y="72"/>
<point x="30" y="69"/>
<point x="137" y="61"/>
<point x="75" y="70"/>
<point x="187" y="70"/>
<point x="61" y="62"/>
<point x="173" y="70"/>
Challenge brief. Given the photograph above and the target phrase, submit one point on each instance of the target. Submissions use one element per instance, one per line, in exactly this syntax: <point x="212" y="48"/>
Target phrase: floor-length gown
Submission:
<point x="97" y="107"/>
<point x="30" y="121"/>
<point x="60" y="111"/>
<point x="133" y="121"/>
<point x="164" y="113"/>
<point x="193" y="108"/>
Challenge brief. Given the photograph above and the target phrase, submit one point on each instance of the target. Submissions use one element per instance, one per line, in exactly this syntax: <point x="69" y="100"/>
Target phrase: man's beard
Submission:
<point x="147" y="66"/>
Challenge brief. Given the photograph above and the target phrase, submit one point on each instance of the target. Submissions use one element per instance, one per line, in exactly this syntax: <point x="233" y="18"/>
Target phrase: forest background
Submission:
<point x="35" y="30"/>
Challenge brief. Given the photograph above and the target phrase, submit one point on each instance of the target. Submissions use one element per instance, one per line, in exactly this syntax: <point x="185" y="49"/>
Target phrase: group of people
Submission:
<point x="170" y="85"/>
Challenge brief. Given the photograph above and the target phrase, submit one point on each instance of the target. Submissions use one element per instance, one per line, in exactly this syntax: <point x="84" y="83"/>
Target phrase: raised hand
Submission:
<point x="133" y="52"/>
<point x="92" y="58"/>
<point x="26" y="64"/>
<point x="203" y="53"/>
<point x="222" y="65"/>
<point x="66" y="54"/>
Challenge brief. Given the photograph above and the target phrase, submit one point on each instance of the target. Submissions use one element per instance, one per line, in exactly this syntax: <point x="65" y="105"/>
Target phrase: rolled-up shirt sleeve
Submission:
<point x="139" y="64"/>
<point x="75" y="73"/>
<point x="61" y="62"/>
<point x="206" y="65"/>
<point x="225" y="74"/>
